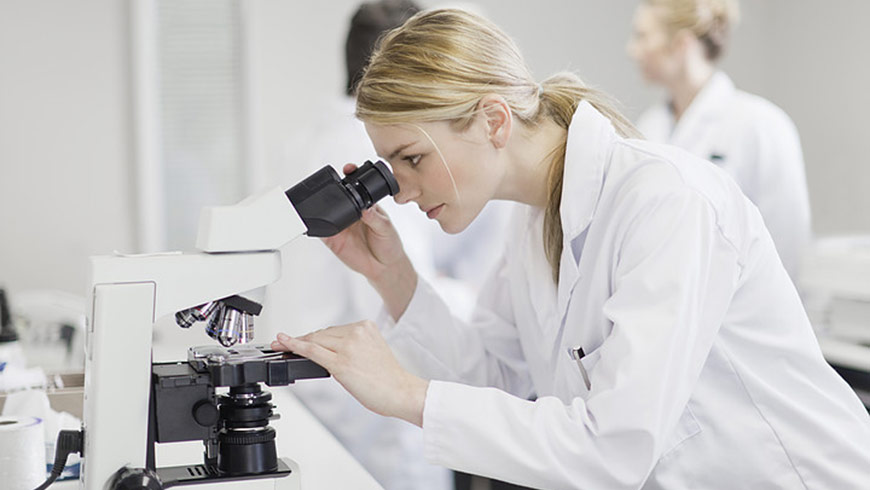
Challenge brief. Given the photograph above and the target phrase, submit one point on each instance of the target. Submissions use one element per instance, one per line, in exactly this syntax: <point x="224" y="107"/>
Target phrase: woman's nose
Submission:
<point x="403" y="196"/>
<point x="406" y="191"/>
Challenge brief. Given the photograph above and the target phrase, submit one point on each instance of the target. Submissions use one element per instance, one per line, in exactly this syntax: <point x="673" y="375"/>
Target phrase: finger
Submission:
<point x="379" y="222"/>
<point x="349" y="168"/>
<point x="311" y="350"/>
<point x="278" y="346"/>
<point x="377" y="209"/>
<point x="333" y="338"/>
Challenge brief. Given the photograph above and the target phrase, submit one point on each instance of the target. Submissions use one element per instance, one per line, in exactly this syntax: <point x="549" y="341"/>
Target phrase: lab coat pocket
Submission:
<point x="687" y="427"/>
<point x="576" y="376"/>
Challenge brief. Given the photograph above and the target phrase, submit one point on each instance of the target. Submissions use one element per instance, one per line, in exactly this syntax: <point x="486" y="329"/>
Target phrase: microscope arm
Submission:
<point x="319" y="206"/>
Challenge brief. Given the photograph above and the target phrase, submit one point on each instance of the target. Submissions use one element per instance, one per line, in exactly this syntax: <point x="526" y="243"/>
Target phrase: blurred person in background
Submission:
<point x="677" y="45"/>
<point x="316" y="290"/>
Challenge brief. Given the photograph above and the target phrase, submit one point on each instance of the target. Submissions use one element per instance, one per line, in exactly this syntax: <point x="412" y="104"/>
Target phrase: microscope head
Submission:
<point x="321" y="205"/>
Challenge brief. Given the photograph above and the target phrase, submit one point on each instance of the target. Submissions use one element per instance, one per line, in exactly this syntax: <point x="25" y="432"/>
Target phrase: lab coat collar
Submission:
<point x="708" y="103"/>
<point x="590" y="141"/>
<point x="590" y="137"/>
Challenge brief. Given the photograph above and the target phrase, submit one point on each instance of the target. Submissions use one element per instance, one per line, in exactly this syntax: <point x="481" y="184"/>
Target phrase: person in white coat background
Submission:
<point x="677" y="44"/>
<point x="640" y="330"/>
<point x="316" y="289"/>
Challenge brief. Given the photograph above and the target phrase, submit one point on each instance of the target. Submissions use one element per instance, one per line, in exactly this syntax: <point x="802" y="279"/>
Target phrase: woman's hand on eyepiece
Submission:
<point x="373" y="248"/>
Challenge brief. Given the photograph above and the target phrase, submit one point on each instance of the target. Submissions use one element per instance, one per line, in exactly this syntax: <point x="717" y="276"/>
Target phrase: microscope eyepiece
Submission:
<point x="328" y="204"/>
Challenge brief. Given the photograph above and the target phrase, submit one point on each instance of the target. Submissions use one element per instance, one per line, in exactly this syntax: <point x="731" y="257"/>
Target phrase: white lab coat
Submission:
<point x="703" y="368"/>
<point x="316" y="291"/>
<point x="755" y="142"/>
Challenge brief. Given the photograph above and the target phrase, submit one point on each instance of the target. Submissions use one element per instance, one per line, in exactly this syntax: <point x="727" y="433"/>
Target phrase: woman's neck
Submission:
<point x="530" y="154"/>
<point x="685" y="87"/>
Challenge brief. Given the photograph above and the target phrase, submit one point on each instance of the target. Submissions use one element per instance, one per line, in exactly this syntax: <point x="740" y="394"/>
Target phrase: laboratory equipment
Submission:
<point x="131" y="403"/>
<point x="836" y="294"/>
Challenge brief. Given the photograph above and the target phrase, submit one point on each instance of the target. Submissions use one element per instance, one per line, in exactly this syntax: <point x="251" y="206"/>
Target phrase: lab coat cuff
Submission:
<point x="434" y="428"/>
<point x="416" y="309"/>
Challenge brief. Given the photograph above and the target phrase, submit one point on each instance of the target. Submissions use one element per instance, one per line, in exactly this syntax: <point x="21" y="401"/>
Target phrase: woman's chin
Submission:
<point x="452" y="227"/>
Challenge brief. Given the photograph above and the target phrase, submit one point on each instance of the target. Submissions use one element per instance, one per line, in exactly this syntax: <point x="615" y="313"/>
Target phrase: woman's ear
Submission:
<point x="498" y="118"/>
<point x="684" y="41"/>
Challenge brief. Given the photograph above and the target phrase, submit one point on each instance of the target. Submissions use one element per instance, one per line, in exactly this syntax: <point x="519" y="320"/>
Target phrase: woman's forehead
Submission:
<point x="391" y="139"/>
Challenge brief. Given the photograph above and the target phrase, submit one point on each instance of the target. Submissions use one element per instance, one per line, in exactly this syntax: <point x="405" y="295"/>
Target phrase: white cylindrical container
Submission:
<point x="22" y="453"/>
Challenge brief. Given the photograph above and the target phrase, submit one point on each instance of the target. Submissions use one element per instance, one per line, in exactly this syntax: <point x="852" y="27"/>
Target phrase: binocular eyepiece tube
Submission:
<point x="328" y="204"/>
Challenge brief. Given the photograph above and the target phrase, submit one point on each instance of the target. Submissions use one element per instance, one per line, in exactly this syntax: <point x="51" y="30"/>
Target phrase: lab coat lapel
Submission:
<point x="708" y="104"/>
<point x="590" y="139"/>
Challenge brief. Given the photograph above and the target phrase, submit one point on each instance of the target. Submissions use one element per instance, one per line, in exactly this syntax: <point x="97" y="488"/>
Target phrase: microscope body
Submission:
<point x="128" y="295"/>
<point x="131" y="404"/>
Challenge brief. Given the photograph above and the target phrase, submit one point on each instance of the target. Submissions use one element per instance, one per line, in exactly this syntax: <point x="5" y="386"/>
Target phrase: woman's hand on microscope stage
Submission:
<point x="373" y="248"/>
<point x="359" y="358"/>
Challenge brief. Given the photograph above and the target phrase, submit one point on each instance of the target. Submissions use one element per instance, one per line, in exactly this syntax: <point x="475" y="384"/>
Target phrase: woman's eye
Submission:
<point x="414" y="160"/>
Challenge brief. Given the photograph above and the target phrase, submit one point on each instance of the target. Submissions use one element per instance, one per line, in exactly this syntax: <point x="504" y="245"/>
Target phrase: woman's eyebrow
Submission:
<point x="399" y="150"/>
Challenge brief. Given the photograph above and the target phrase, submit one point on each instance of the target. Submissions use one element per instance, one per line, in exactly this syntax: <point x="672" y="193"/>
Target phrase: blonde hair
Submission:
<point x="441" y="63"/>
<point x="709" y="20"/>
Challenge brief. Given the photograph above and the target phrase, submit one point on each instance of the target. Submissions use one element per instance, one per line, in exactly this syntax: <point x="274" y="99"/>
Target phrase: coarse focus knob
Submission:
<point x="136" y="479"/>
<point x="205" y="413"/>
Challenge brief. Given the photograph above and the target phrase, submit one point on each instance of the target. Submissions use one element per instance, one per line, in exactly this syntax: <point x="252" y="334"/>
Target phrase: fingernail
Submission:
<point x="283" y="337"/>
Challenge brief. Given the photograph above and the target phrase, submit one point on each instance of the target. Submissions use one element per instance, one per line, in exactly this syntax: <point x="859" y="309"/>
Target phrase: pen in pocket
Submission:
<point x="576" y="353"/>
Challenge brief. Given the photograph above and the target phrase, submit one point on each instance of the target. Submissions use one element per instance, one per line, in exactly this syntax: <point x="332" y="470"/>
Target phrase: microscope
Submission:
<point x="217" y="394"/>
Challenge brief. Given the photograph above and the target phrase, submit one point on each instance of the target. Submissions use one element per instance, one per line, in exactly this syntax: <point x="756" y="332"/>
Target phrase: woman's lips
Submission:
<point x="434" y="212"/>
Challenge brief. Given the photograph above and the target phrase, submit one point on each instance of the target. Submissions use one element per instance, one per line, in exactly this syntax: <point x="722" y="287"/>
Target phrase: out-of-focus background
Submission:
<point x="120" y="119"/>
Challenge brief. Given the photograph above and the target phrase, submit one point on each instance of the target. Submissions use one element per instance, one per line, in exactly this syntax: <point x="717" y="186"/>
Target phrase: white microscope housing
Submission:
<point x="128" y="293"/>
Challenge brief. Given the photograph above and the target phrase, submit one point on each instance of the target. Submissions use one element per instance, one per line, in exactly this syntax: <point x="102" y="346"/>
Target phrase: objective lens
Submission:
<point x="230" y="324"/>
<point x="246" y="329"/>
<point x="214" y="323"/>
<point x="188" y="317"/>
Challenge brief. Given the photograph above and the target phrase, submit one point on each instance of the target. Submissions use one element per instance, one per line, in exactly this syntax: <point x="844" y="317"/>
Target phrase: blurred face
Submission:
<point x="423" y="175"/>
<point x="651" y="47"/>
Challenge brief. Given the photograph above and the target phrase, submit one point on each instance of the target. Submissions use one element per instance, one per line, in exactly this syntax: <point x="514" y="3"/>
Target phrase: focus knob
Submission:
<point x="205" y="413"/>
<point x="136" y="479"/>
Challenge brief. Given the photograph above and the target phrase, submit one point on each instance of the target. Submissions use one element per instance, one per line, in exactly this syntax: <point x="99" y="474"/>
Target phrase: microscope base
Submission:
<point x="286" y="477"/>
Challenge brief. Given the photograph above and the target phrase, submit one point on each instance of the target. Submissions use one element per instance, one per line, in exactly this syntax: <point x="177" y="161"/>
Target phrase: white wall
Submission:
<point x="65" y="108"/>
<point x="64" y="140"/>
<point x="817" y="69"/>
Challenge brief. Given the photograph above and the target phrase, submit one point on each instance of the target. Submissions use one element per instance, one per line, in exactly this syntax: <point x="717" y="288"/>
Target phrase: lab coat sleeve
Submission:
<point x="673" y="280"/>
<point x="431" y="342"/>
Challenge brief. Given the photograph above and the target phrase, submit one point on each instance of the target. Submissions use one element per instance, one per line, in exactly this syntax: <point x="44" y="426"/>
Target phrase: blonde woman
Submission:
<point x="639" y="330"/>
<point x="677" y="44"/>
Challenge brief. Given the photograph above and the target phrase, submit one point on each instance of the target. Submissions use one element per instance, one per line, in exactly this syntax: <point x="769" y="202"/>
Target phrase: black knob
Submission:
<point x="205" y="413"/>
<point x="136" y="479"/>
